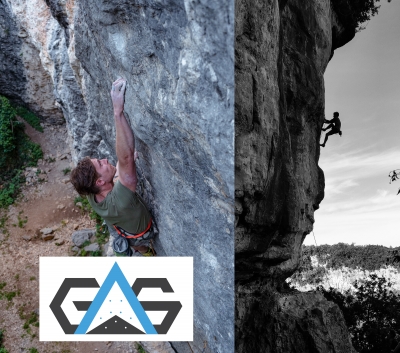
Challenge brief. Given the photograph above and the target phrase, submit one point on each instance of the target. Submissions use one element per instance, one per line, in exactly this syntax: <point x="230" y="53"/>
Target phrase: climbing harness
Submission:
<point x="125" y="234"/>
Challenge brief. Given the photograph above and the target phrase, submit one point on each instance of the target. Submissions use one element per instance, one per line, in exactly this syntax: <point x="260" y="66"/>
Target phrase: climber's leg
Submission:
<point x="332" y="132"/>
<point x="328" y="127"/>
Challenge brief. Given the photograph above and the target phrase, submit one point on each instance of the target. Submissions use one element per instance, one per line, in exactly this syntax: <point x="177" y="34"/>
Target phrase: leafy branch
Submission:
<point x="394" y="175"/>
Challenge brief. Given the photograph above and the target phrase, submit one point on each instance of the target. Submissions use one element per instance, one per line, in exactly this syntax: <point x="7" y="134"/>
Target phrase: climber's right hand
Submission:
<point x="118" y="95"/>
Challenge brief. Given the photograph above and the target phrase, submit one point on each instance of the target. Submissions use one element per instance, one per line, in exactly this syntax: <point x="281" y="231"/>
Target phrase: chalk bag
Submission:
<point x="121" y="247"/>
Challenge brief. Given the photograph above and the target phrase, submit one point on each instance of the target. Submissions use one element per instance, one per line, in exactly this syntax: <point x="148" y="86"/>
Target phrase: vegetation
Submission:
<point x="22" y="221"/>
<point x="140" y="349"/>
<point x="16" y="153"/>
<point x="31" y="319"/>
<point x="66" y="171"/>
<point x="355" y="13"/>
<point x="2" y="348"/>
<point x="7" y="295"/>
<point x="371" y="313"/>
<point x="368" y="257"/>
<point x="394" y="175"/>
<point x="3" y="228"/>
<point x="29" y="117"/>
<point x="50" y="160"/>
<point x="102" y="232"/>
<point x="340" y="264"/>
<point x="366" y="289"/>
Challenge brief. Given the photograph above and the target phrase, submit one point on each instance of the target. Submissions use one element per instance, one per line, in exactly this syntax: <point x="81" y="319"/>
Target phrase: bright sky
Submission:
<point x="362" y="83"/>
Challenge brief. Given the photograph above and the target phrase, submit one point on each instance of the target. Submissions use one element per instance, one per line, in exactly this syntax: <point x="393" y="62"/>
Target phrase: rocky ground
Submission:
<point x="46" y="201"/>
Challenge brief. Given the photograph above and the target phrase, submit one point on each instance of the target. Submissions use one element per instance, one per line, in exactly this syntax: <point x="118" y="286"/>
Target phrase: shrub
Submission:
<point x="29" y="117"/>
<point x="371" y="313"/>
<point x="354" y="13"/>
<point x="102" y="232"/>
<point x="9" y="128"/>
<point x="16" y="152"/>
<point x="2" y="348"/>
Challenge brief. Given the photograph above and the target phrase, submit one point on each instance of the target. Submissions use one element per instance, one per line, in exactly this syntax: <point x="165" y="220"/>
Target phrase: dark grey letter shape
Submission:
<point x="82" y="305"/>
<point x="172" y="308"/>
<point x="55" y="305"/>
<point x="141" y="283"/>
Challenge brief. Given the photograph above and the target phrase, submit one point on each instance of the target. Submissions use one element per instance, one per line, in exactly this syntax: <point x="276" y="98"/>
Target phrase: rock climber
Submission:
<point x="334" y="125"/>
<point x="110" y="190"/>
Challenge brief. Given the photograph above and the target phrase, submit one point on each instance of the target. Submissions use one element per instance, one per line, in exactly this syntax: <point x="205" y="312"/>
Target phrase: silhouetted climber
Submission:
<point x="111" y="191"/>
<point x="334" y="125"/>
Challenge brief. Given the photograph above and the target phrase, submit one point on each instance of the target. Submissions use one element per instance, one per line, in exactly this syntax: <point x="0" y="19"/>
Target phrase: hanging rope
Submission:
<point x="318" y="254"/>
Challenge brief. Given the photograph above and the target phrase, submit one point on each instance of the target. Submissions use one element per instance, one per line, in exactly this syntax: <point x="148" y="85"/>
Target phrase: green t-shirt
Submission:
<point x="124" y="208"/>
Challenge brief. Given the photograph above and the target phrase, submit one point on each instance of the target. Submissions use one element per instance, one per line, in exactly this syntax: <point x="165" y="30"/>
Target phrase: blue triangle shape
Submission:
<point x="115" y="276"/>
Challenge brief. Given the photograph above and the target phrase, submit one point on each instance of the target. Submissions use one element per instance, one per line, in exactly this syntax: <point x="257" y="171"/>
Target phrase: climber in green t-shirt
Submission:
<point x="111" y="190"/>
<point x="334" y="125"/>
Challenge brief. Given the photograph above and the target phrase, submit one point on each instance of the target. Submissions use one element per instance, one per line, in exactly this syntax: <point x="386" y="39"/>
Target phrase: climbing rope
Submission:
<point x="318" y="254"/>
<point x="316" y="246"/>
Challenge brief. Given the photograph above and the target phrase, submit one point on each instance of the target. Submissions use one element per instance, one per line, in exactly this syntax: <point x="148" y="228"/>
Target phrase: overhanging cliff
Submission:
<point x="61" y="56"/>
<point x="282" y="49"/>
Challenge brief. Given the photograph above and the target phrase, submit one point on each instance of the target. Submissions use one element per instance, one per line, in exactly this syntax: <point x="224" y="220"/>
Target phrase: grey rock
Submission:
<point x="108" y="250"/>
<point x="282" y="51"/>
<point x="23" y="77"/>
<point x="157" y="347"/>
<point x="82" y="235"/>
<point x="92" y="247"/>
<point x="47" y="237"/>
<point x="178" y="59"/>
<point x="75" y="248"/>
<point x="12" y="65"/>
<point x="27" y="237"/>
<point x="179" y="102"/>
<point x="46" y="231"/>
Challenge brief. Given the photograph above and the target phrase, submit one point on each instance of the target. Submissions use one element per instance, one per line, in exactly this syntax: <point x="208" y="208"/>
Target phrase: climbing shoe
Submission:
<point x="150" y="252"/>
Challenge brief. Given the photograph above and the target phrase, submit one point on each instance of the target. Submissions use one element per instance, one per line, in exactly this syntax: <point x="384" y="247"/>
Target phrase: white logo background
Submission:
<point x="177" y="270"/>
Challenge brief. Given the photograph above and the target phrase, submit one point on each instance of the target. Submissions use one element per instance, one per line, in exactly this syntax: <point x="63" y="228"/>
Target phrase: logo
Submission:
<point x="95" y="299"/>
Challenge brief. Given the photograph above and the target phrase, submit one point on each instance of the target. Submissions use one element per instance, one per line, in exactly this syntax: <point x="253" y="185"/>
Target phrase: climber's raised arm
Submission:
<point x="125" y="140"/>
<point x="124" y="211"/>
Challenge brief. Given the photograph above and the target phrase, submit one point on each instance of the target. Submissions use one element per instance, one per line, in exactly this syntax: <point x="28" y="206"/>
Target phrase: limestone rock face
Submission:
<point x="294" y="323"/>
<point x="282" y="51"/>
<point x="25" y="69"/>
<point x="178" y="59"/>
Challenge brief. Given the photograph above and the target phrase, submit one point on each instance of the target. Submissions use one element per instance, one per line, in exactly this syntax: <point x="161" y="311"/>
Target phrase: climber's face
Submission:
<point x="105" y="170"/>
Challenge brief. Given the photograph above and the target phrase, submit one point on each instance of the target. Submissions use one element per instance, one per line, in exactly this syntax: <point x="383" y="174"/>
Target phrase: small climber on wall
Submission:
<point x="111" y="191"/>
<point x="334" y="125"/>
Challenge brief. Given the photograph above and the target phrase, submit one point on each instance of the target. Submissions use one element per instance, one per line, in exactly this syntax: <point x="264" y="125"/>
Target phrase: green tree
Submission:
<point x="16" y="152"/>
<point x="9" y="129"/>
